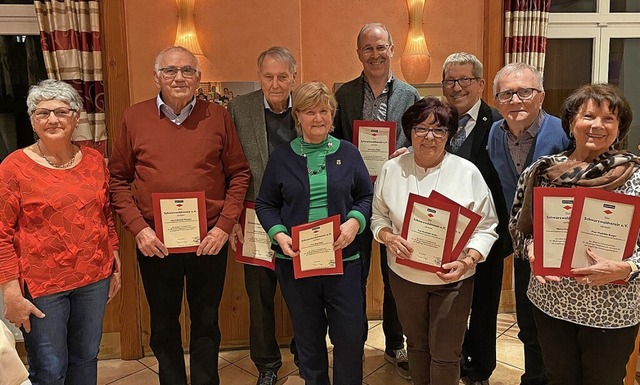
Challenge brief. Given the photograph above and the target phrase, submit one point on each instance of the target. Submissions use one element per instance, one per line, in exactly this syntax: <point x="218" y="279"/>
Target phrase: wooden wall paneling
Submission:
<point x="123" y="313"/>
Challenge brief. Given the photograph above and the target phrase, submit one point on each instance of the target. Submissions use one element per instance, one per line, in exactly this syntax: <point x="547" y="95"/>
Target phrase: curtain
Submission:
<point x="525" y="31"/>
<point x="70" y="39"/>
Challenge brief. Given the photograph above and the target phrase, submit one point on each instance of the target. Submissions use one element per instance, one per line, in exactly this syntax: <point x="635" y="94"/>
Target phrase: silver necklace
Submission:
<point x="66" y="165"/>
<point x="324" y="160"/>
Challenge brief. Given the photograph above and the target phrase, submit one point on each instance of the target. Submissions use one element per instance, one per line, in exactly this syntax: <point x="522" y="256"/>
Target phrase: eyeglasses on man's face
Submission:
<point x="462" y="82"/>
<point x="380" y="49"/>
<point x="60" y="113"/>
<point x="437" y="132"/>
<point x="523" y="94"/>
<point x="172" y="72"/>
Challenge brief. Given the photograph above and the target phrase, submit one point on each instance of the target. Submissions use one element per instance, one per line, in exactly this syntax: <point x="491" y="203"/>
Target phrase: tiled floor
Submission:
<point x="236" y="368"/>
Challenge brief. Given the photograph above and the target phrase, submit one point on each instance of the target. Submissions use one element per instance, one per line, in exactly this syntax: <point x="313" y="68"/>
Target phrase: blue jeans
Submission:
<point x="62" y="348"/>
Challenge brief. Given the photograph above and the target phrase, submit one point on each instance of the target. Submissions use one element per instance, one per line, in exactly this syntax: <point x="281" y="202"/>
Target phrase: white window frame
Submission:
<point x="600" y="26"/>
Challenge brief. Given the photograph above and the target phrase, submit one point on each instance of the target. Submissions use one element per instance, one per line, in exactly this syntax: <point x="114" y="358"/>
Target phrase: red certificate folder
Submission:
<point x="563" y="206"/>
<point x="177" y="200"/>
<point x="390" y="126"/>
<point x="251" y="259"/>
<point x="295" y="237"/>
<point x="610" y="204"/>
<point x="432" y="207"/>
<point x="473" y="218"/>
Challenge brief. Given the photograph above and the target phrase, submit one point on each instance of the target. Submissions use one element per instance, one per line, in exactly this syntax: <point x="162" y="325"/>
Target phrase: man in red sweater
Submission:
<point x="177" y="143"/>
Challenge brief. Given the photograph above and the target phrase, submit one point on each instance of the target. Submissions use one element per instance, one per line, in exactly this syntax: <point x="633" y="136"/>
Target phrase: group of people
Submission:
<point x="291" y="152"/>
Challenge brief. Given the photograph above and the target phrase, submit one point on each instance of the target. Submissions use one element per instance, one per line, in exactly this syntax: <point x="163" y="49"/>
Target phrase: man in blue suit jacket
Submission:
<point x="525" y="134"/>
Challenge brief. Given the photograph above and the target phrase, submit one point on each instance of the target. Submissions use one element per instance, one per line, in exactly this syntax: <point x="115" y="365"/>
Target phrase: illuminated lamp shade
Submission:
<point x="415" y="62"/>
<point x="187" y="37"/>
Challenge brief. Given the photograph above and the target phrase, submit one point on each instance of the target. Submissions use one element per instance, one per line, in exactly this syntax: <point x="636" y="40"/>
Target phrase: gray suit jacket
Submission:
<point x="350" y="99"/>
<point x="247" y="112"/>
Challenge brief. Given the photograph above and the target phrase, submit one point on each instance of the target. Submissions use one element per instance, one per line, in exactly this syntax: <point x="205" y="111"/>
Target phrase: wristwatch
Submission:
<point x="635" y="271"/>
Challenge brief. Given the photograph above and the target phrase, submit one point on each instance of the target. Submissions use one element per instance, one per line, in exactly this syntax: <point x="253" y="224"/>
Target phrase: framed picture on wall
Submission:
<point x="433" y="90"/>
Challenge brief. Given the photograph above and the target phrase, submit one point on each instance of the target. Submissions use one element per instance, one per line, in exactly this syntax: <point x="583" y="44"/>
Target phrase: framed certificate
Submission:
<point x="375" y="141"/>
<point x="180" y="220"/>
<point x="552" y="209"/>
<point x="429" y="226"/>
<point x="465" y="226"/>
<point x="606" y="222"/>
<point x="256" y="249"/>
<point x="315" y="240"/>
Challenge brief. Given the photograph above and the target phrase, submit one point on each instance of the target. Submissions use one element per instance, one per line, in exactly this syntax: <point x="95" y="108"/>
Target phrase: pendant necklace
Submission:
<point x="323" y="166"/>
<point x="66" y="165"/>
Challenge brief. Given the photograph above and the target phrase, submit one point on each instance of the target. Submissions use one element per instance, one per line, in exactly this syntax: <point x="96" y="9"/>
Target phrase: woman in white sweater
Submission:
<point x="433" y="307"/>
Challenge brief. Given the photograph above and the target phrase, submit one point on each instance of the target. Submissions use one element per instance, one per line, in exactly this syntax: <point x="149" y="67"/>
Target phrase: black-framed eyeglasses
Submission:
<point x="523" y="94"/>
<point x="462" y="82"/>
<point x="60" y="113"/>
<point x="380" y="49"/>
<point x="172" y="72"/>
<point x="438" y="132"/>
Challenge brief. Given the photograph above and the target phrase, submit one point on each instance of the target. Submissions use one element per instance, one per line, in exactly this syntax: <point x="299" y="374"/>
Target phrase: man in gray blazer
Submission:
<point x="263" y="120"/>
<point x="377" y="95"/>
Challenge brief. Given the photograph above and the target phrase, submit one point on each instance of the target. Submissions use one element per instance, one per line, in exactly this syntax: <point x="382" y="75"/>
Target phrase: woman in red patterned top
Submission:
<point x="58" y="245"/>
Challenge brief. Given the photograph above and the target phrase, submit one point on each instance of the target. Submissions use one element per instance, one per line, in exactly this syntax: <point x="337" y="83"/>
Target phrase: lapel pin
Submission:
<point x="338" y="162"/>
<point x="484" y="118"/>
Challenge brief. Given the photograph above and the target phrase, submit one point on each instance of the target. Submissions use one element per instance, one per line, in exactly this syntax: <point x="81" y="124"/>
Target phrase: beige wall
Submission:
<point x="321" y="34"/>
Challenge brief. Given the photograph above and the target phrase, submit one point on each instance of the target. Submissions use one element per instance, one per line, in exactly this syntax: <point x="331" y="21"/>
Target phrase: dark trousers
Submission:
<point x="261" y="284"/>
<point x="581" y="355"/>
<point x="393" y="334"/>
<point x="164" y="280"/>
<point x="434" y="317"/>
<point x="534" y="372"/>
<point x="479" y="347"/>
<point x="318" y="303"/>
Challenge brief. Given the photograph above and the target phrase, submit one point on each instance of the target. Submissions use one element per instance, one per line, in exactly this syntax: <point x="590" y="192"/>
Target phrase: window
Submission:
<point x="594" y="41"/>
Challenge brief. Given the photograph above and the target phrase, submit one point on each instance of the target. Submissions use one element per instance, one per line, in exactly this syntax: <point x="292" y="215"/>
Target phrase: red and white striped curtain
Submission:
<point x="70" y="38"/>
<point x="525" y="31"/>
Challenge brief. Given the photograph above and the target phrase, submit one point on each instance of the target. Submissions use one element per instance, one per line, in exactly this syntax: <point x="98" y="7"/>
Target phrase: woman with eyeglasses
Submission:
<point x="586" y="325"/>
<point x="433" y="307"/>
<point x="59" y="263"/>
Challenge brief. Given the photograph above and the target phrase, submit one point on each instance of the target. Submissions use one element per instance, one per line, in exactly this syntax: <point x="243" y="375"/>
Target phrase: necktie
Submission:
<point x="460" y="136"/>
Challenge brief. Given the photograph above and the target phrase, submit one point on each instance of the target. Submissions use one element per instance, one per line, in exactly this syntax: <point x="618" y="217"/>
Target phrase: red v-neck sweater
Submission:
<point x="156" y="155"/>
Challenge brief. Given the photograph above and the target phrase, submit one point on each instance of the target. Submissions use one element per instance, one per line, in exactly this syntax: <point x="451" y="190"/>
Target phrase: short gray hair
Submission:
<point x="462" y="58"/>
<point x="52" y="89"/>
<point x="281" y="54"/>
<point x="513" y="68"/>
<point x="177" y="48"/>
<point x="368" y="26"/>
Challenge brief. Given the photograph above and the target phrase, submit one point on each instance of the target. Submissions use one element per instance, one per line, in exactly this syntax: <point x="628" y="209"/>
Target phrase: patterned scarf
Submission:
<point x="607" y="171"/>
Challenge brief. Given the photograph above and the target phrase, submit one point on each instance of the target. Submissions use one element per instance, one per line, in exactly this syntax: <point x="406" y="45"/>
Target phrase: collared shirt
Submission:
<point x="375" y="108"/>
<point x="519" y="146"/>
<point x="168" y="112"/>
<point x="473" y="113"/>
<point x="268" y="107"/>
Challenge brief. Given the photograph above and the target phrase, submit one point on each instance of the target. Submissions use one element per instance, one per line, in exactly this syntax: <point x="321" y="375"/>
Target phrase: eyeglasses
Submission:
<point x="380" y="49"/>
<point x="462" y="82"/>
<point x="523" y="94"/>
<point x="60" y="113"/>
<point x="171" y="72"/>
<point x="438" y="132"/>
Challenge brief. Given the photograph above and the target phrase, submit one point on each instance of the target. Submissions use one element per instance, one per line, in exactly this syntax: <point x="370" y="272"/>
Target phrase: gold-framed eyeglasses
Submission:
<point x="437" y="132"/>
<point x="172" y="72"/>
<point x="380" y="49"/>
<point x="60" y="113"/>
<point x="523" y="94"/>
<point x="462" y="82"/>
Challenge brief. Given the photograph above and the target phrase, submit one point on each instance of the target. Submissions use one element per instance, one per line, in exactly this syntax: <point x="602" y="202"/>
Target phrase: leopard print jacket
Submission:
<point x="608" y="306"/>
